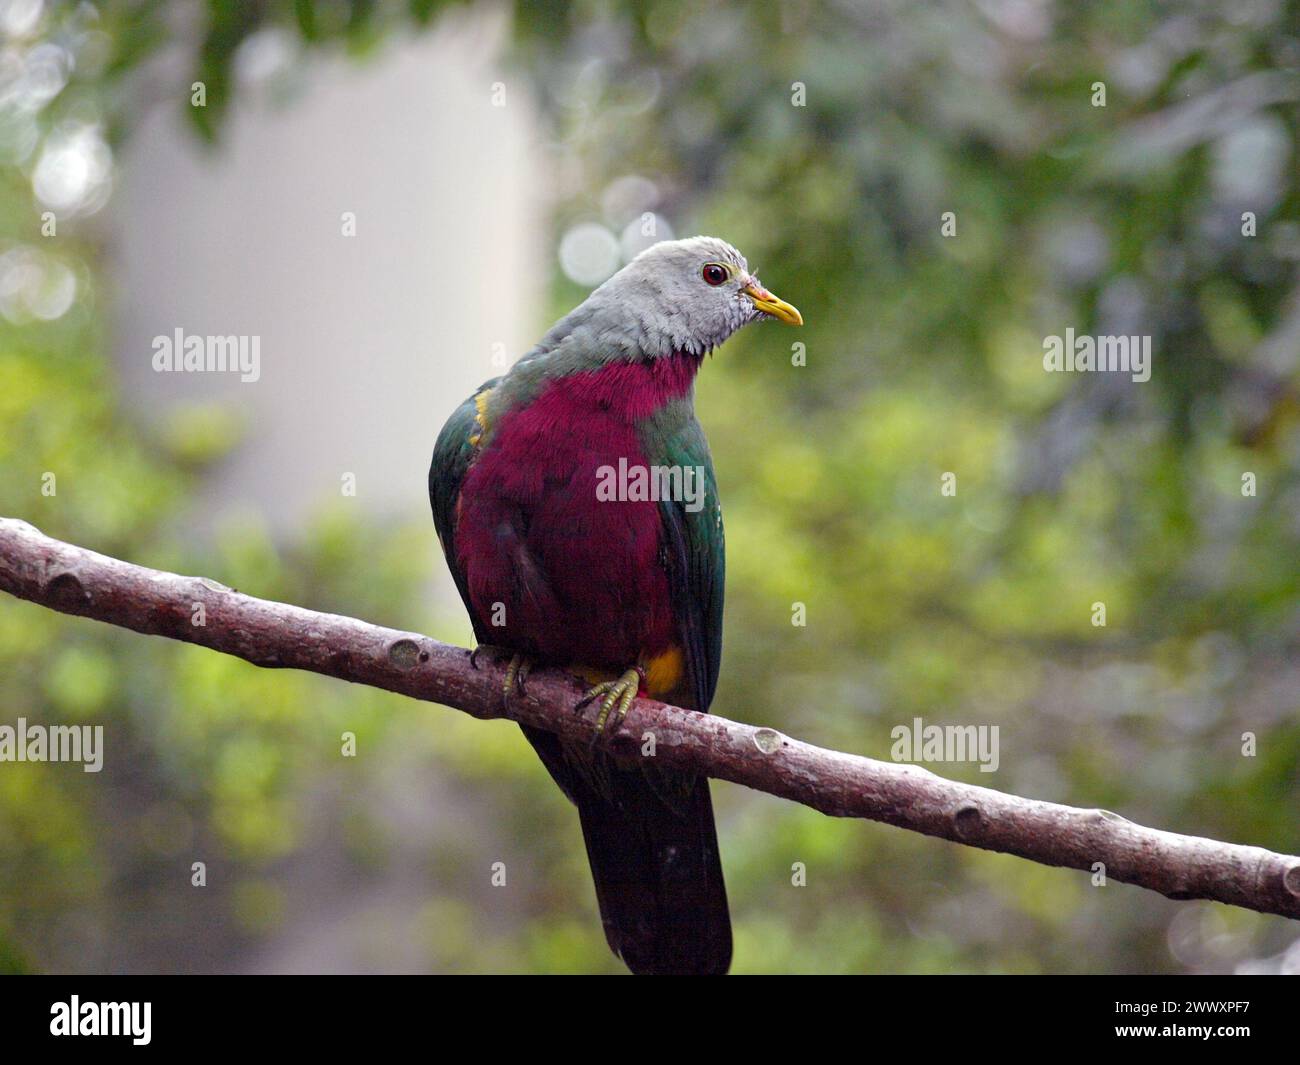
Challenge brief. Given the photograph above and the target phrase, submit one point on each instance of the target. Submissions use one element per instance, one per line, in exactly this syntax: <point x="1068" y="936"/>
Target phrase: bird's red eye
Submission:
<point x="715" y="274"/>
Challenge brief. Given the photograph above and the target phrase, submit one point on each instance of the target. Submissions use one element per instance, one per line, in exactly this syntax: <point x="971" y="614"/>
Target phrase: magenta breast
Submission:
<point x="573" y="578"/>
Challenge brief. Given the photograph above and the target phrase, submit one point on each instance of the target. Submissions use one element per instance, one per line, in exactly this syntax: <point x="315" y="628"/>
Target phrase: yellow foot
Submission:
<point x="516" y="673"/>
<point x="617" y="693"/>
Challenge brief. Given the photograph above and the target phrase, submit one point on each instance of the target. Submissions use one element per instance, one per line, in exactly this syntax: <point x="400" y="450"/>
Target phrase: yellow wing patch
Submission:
<point x="480" y="418"/>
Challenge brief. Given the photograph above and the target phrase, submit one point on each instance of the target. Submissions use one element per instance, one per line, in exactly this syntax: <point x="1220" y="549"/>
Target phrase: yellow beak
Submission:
<point x="773" y="305"/>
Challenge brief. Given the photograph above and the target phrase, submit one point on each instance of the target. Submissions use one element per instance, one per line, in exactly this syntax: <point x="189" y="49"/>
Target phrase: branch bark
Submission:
<point x="76" y="581"/>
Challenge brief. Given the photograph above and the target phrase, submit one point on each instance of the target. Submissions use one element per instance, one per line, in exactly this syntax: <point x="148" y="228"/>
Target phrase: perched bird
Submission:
<point x="566" y="555"/>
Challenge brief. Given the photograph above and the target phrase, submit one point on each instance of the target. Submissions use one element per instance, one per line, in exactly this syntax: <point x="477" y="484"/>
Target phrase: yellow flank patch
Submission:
<point x="664" y="672"/>
<point x="480" y="405"/>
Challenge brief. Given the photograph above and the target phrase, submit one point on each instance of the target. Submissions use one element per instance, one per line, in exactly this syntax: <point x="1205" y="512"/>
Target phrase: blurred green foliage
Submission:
<point x="923" y="357"/>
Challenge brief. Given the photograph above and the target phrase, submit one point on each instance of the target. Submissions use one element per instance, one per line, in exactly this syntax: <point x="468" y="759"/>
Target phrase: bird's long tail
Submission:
<point x="653" y="851"/>
<point x="659" y="883"/>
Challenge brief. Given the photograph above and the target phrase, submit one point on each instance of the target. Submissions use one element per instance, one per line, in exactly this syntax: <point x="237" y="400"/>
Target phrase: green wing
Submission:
<point x="456" y="448"/>
<point x="695" y="555"/>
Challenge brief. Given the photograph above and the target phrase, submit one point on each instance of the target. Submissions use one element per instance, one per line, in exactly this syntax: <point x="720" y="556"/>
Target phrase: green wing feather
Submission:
<point x="456" y="448"/>
<point x="696" y="559"/>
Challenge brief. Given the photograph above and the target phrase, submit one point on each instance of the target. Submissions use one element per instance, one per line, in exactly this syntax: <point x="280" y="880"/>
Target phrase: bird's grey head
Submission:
<point x="676" y="296"/>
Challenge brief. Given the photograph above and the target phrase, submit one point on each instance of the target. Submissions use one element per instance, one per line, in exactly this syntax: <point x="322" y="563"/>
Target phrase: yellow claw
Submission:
<point x="617" y="693"/>
<point x="516" y="674"/>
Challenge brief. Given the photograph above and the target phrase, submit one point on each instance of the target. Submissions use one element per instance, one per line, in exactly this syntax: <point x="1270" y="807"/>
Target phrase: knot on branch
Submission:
<point x="66" y="591"/>
<point x="969" y="822"/>
<point x="405" y="653"/>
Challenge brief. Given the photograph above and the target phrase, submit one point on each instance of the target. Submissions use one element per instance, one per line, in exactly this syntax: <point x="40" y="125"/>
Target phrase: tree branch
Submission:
<point x="73" y="580"/>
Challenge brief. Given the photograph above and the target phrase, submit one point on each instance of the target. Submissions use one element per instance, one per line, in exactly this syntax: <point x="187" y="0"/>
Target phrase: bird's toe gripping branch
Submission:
<point x="516" y="673"/>
<point x="617" y="694"/>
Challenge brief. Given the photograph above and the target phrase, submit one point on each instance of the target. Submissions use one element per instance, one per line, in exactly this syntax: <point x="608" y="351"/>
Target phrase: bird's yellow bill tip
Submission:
<point x="773" y="305"/>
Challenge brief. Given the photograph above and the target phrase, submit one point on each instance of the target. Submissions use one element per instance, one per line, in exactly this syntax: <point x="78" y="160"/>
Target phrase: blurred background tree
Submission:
<point x="827" y="141"/>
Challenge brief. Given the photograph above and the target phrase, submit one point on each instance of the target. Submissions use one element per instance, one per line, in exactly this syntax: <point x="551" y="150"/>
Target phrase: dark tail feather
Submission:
<point x="659" y="883"/>
<point x="653" y="851"/>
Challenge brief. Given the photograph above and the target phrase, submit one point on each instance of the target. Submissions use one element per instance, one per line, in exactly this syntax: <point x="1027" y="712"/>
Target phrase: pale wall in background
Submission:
<point x="367" y="342"/>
